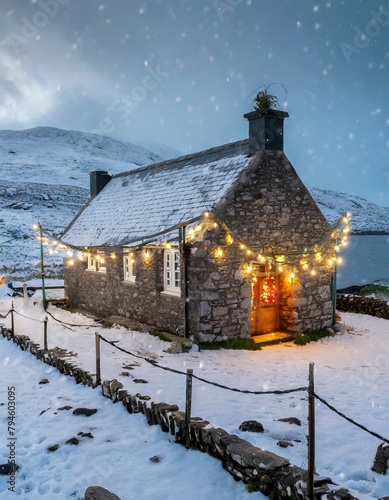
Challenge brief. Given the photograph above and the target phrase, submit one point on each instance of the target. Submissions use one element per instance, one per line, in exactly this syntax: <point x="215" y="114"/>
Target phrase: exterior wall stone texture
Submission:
<point x="108" y="294"/>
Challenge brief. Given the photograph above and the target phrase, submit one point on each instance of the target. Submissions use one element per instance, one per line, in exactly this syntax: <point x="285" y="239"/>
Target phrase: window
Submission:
<point x="172" y="272"/>
<point x="96" y="263"/>
<point x="92" y="263"/>
<point x="101" y="264"/>
<point x="128" y="268"/>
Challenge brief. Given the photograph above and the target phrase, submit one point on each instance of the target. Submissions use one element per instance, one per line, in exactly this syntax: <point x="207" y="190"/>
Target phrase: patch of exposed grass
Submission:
<point x="160" y="334"/>
<point x="379" y="288"/>
<point x="311" y="336"/>
<point x="240" y="344"/>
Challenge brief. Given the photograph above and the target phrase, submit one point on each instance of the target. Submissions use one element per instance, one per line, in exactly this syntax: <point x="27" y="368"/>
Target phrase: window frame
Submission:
<point x="94" y="263"/>
<point x="130" y="276"/>
<point x="91" y="263"/>
<point x="172" y="272"/>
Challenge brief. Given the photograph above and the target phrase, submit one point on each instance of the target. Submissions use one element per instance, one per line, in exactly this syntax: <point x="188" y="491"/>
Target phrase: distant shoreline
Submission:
<point x="369" y="233"/>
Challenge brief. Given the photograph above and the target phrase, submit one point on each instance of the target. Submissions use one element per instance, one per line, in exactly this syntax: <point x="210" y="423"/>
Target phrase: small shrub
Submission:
<point x="311" y="336"/>
<point x="240" y="344"/>
<point x="161" y="335"/>
<point x="263" y="100"/>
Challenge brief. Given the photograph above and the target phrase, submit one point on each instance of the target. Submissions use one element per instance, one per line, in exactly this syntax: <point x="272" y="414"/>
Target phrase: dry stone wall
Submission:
<point x="363" y="305"/>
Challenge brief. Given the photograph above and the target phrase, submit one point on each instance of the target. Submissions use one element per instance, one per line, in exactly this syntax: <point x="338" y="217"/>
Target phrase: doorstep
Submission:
<point x="273" y="338"/>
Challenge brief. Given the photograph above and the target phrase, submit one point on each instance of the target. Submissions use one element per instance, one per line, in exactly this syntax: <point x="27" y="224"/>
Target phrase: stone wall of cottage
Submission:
<point x="270" y="208"/>
<point x="271" y="211"/>
<point x="107" y="294"/>
<point x="219" y="293"/>
<point x="305" y="300"/>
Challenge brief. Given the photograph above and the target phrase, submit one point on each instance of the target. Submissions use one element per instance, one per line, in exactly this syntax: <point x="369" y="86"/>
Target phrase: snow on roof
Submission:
<point x="137" y="205"/>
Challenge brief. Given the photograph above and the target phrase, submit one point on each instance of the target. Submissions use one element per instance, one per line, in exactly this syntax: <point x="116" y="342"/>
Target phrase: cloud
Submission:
<point x="23" y="97"/>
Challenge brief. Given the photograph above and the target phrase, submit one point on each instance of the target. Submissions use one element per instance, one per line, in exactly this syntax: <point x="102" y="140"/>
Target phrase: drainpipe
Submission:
<point x="184" y="279"/>
<point x="334" y="293"/>
<point x="42" y="265"/>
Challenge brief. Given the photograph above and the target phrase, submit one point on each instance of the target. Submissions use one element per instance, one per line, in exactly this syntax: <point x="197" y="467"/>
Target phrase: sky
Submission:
<point x="183" y="72"/>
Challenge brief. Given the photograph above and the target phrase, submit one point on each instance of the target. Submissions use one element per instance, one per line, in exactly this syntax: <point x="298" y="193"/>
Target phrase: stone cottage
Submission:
<point x="224" y="243"/>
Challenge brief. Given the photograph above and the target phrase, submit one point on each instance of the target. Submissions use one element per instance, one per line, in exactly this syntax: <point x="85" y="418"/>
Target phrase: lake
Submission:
<point x="365" y="259"/>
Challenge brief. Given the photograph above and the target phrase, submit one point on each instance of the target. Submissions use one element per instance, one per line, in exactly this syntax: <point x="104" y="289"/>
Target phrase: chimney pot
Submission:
<point x="98" y="180"/>
<point x="266" y="129"/>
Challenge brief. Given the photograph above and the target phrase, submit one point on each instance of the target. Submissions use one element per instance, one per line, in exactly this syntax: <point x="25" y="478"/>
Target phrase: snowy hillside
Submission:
<point x="51" y="155"/>
<point x="44" y="176"/>
<point x="367" y="217"/>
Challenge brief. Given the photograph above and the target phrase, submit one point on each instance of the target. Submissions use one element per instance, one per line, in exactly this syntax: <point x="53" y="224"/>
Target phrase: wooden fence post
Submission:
<point x="45" y="333"/>
<point x="311" y="432"/>
<point x="12" y="320"/>
<point x="98" y="371"/>
<point x="188" y="403"/>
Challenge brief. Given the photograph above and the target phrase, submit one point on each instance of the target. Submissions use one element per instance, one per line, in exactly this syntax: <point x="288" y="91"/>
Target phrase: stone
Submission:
<point x="44" y="381"/>
<point x="99" y="493"/>
<point x="63" y="408"/>
<point x="290" y="420"/>
<point x="73" y="440"/>
<point x="381" y="460"/>
<point x="155" y="459"/>
<point x="140" y="381"/>
<point x="85" y="435"/>
<point x="251" y="426"/>
<point x="341" y="494"/>
<point x="284" y="444"/>
<point x="53" y="448"/>
<point x="336" y="327"/>
<point x="87" y="412"/>
<point x="175" y="348"/>
<point x="143" y="398"/>
<point x="7" y="469"/>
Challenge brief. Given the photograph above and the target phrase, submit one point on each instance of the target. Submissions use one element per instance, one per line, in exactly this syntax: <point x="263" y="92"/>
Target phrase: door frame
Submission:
<point x="256" y="308"/>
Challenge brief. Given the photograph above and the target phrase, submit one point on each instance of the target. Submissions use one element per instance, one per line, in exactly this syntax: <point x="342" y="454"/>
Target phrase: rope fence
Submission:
<point x="312" y="395"/>
<point x="154" y="363"/>
<point x="350" y="419"/>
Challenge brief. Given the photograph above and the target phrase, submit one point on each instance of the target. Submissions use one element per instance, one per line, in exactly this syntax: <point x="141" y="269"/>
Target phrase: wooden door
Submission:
<point x="265" y="305"/>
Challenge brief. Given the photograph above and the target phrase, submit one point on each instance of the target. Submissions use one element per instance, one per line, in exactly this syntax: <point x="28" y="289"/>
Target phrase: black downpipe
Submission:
<point x="184" y="280"/>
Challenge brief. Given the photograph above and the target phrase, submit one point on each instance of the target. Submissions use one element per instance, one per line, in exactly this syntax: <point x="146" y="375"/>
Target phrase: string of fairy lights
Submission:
<point x="309" y="260"/>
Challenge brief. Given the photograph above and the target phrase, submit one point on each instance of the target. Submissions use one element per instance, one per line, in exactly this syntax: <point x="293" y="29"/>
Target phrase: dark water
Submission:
<point x="365" y="259"/>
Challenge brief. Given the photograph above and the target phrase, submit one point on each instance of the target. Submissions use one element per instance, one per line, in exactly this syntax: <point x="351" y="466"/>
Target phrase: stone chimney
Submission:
<point x="266" y="130"/>
<point x="98" y="179"/>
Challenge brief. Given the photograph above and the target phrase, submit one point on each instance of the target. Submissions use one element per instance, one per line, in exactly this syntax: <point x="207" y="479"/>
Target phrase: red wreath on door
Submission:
<point x="269" y="290"/>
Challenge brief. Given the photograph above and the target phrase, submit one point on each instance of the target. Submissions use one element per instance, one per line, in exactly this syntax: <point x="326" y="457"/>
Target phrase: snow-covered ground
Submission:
<point x="350" y="373"/>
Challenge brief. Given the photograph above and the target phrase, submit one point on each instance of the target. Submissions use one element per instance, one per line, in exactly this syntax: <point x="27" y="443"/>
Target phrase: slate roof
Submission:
<point x="138" y="205"/>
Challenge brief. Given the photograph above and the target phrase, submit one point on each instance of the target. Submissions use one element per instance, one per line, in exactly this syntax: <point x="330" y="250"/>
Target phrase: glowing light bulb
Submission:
<point x="219" y="252"/>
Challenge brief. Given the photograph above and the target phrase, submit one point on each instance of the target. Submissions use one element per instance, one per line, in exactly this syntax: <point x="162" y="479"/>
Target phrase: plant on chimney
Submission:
<point x="264" y="100"/>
